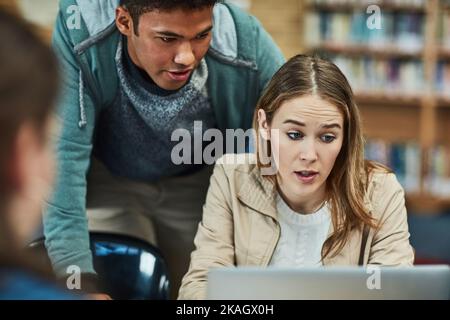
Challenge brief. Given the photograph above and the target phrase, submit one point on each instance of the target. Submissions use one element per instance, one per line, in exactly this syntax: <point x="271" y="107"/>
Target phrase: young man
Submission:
<point x="135" y="72"/>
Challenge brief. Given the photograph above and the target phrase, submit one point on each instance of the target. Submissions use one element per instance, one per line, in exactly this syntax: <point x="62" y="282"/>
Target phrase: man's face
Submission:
<point x="169" y="44"/>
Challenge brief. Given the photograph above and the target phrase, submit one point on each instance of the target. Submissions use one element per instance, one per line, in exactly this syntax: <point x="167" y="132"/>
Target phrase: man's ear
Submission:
<point x="124" y="22"/>
<point x="263" y="126"/>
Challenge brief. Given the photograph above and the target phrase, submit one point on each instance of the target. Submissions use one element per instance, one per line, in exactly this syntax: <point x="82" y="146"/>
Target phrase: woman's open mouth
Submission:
<point x="306" y="176"/>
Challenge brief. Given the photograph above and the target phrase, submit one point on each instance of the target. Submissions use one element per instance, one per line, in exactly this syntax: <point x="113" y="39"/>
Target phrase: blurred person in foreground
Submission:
<point x="28" y="89"/>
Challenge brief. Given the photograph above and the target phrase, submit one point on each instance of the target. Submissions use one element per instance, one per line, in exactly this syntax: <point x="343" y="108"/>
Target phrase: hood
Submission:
<point x="99" y="15"/>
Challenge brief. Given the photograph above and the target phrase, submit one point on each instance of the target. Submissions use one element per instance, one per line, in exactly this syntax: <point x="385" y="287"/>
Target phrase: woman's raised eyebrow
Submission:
<point x="331" y="126"/>
<point x="294" y="122"/>
<point x="325" y="126"/>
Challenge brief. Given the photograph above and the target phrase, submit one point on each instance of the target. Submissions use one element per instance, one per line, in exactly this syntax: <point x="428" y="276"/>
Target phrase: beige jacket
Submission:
<point x="240" y="225"/>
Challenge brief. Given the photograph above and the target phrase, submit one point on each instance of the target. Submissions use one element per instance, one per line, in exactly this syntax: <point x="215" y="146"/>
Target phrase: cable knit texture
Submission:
<point x="302" y="236"/>
<point x="134" y="136"/>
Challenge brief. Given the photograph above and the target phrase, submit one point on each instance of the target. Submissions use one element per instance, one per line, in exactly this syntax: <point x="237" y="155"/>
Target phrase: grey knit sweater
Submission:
<point x="133" y="137"/>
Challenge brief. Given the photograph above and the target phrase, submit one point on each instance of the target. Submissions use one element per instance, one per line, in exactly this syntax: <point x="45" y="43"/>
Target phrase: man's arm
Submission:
<point x="65" y="222"/>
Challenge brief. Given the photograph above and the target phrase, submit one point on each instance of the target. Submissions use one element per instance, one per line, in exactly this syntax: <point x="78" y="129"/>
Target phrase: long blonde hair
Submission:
<point x="348" y="180"/>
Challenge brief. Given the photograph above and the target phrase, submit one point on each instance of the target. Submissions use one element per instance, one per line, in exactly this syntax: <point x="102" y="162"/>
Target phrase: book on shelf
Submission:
<point x="437" y="180"/>
<point x="405" y="160"/>
<point x="444" y="28"/>
<point x="443" y="78"/>
<point x="371" y="75"/>
<point x="403" y="31"/>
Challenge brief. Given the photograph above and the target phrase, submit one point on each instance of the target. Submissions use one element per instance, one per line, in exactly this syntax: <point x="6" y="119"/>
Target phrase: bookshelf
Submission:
<point x="401" y="78"/>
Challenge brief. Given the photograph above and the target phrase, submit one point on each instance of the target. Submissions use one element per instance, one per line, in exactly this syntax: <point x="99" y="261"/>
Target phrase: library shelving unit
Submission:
<point x="401" y="77"/>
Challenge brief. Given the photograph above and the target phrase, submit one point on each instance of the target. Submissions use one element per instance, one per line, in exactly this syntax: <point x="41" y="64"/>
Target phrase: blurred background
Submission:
<point x="396" y="55"/>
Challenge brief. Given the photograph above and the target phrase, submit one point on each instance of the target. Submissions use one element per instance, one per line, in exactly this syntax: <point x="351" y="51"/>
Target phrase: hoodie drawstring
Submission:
<point x="83" y="120"/>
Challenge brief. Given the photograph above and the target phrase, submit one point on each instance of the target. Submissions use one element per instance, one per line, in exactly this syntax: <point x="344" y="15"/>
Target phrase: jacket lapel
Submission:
<point x="258" y="193"/>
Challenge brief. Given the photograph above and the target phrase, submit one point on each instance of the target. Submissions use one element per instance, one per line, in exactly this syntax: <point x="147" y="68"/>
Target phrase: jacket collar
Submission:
<point x="259" y="193"/>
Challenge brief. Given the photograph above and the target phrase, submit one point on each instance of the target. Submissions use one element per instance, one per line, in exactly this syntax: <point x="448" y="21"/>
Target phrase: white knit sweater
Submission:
<point x="302" y="236"/>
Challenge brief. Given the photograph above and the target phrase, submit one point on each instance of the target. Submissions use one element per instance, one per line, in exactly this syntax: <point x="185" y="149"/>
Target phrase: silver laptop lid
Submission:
<point x="372" y="282"/>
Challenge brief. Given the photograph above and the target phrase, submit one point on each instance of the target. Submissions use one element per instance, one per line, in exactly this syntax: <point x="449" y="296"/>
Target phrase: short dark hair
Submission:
<point x="136" y="8"/>
<point x="28" y="85"/>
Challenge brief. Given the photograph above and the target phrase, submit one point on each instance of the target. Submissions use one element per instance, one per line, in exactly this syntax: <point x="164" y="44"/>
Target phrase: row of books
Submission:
<point x="437" y="180"/>
<point x="404" y="31"/>
<point x="387" y="76"/>
<point x="444" y="29"/>
<point x="375" y="75"/>
<point x="391" y="76"/>
<point x="443" y="78"/>
<point x="405" y="160"/>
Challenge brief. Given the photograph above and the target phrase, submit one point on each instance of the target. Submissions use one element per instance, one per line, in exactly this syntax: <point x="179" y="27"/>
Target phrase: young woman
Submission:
<point x="28" y="86"/>
<point x="316" y="202"/>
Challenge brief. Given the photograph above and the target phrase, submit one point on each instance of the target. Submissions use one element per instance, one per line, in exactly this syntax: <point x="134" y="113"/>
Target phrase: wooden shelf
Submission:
<point x="357" y="50"/>
<point x="443" y="102"/>
<point x="444" y="53"/>
<point x="388" y="99"/>
<point x="426" y="204"/>
<point x="384" y="5"/>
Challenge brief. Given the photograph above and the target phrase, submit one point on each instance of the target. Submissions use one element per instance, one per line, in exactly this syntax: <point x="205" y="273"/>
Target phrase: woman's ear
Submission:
<point x="263" y="126"/>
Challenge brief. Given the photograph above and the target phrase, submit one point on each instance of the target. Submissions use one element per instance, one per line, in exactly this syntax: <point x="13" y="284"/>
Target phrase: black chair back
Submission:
<point x="128" y="268"/>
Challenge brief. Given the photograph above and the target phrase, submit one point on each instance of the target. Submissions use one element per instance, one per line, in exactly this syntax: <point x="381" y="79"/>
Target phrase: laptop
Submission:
<point x="330" y="283"/>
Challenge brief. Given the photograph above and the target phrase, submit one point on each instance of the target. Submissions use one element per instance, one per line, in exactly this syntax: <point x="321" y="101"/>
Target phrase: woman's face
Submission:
<point x="306" y="135"/>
